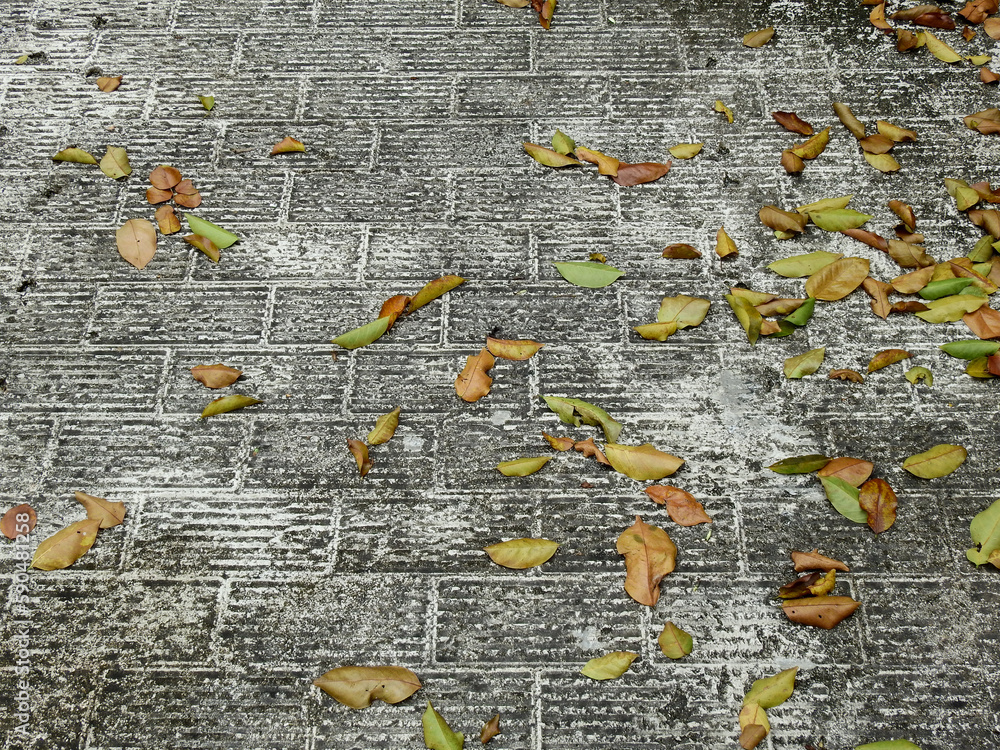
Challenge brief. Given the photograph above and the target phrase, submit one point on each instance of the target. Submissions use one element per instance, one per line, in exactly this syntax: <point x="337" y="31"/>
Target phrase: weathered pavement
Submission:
<point x="253" y="559"/>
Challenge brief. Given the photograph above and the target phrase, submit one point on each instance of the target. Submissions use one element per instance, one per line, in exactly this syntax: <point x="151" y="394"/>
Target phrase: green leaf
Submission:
<point x="674" y="642"/>
<point x="804" y="364"/>
<point x="943" y="288"/>
<point x="844" y="497"/>
<point x="747" y="315"/>
<point x="839" y="219"/>
<point x="207" y="102"/>
<point x="562" y="143"/>
<point x="801" y="316"/>
<point x="939" y="461"/>
<point x="548" y="157"/>
<point x="985" y="530"/>
<point x="437" y="733"/>
<point x="364" y="335"/>
<point x="800" y="464"/>
<point x="798" y="266"/>
<point x="949" y="309"/>
<point x="219" y="236"/>
<point x="609" y="666"/>
<point x="590" y="275"/>
<point x="519" y="554"/>
<point x="228" y="403"/>
<point x="982" y="251"/>
<point x="889" y="745"/>
<point x="575" y="411"/>
<point x="970" y="348"/>
<point x="917" y="374"/>
<point x="772" y="691"/>
<point x="826" y="204"/>
<point x="522" y="467"/>
<point x="784" y="329"/>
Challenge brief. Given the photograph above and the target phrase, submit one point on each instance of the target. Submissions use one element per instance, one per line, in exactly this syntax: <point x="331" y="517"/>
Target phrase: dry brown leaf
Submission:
<point x="906" y="40"/>
<point x="879" y="501"/>
<point x="106" y="512"/>
<point x="515" y="350"/>
<point x="791" y="163"/>
<point x="649" y="556"/>
<point x="393" y="307"/>
<point x="606" y="165"/>
<point x="590" y="450"/>
<point x="935" y="20"/>
<point x="205" y="245"/>
<point x="357" y="687"/>
<point x="360" y="452"/>
<point x="877" y="18"/>
<point x="682" y="507"/>
<point x="877" y="144"/>
<point x="287" y="145"/>
<point x="908" y="255"/>
<point x="724" y="245"/>
<point x="984" y="322"/>
<point x="852" y="123"/>
<point x="988" y="76"/>
<point x="988" y="219"/>
<point x="560" y="443"/>
<point x="474" y="381"/>
<point x="992" y="27"/>
<point x="879" y="293"/>
<point x="187" y="200"/>
<point x="908" y="307"/>
<point x="18" y="521"/>
<point x="164" y="177"/>
<point x="66" y="546"/>
<point x="854" y="471"/>
<point x="986" y="122"/>
<point x="782" y="306"/>
<point x="782" y="221"/>
<point x="167" y="221"/>
<point x="820" y="611"/>
<point x="895" y="132"/>
<point x="108" y="84"/>
<point x="838" y="279"/>
<point x="758" y="38"/>
<point x="968" y="34"/>
<point x="869" y="238"/>
<point x="638" y="174"/>
<point x="976" y="11"/>
<point x="851" y="375"/>
<point x="136" y="240"/>
<point x="155" y="196"/>
<point x="814" y="146"/>
<point x="215" y="376"/>
<point x="913" y="282"/>
<point x="492" y="727"/>
<point x="887" y="357"/>
<point x="681" y="251"/>
<point x="815" y="561"/>
<point x="791" y="121"/>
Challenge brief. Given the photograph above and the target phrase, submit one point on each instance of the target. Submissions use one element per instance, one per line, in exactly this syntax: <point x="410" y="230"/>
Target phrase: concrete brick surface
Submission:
<point x="253" y="558"/>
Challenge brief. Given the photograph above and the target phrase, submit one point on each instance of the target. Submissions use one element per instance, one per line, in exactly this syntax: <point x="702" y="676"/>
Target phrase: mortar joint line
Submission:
<point x="314" y="14"/>
<point x="269" y="305"/>
<point x="214" y="638"/>
<point x="164" y="389"/>
<point x="375" y="148"/>
<point x="300" y="99"/>
<point x="234" y="64"/>
<point x="337" y="522"/>
<point x="430" y="637"/>
<point x="218" y="146"/>
<point x="175" y="9"/>
<point x="285" y="202"/>
<point x="536" y="710"/>
<point x="132" y="529"/>
<point x="363" y="252"/>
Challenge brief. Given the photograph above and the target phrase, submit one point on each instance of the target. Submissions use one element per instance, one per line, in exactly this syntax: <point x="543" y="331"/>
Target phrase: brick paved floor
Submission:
<point x="253" y="559"/>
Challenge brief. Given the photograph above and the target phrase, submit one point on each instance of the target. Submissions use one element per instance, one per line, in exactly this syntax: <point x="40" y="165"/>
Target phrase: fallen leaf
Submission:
<point x="393" y="308"/>
<point x="965" y="197"/>
<point x="357" y="687"/>
<point x="944" y="288"/>
<point x="136" y="240"/>
<point x="724" y="245"/>
<point x="115" y="164"/>
<point x="887" y="357"/>
<point x="674" y="642"/>
<point x="474" y="381"/>
<point x="879" y="293"/>
<point x="869" y="238"/>
<point x="686" y="150"/>
<point x="905" y="213"/>
<point x="984" y="322"/>
<point x="561" y="143"/>
<point x="988" y="76"/>
<point x="882" y="162"/>
<point x="987" y="219"/>
<point x="950" y="309"/>
<point x="979" y="368"/>
<point x="844" y="498"/>
<point x="854" y="471"/>
<point x="287" y="145"/>
<point x="682" y="507"/>
<point x="807" y="264"/>
<point x="895" y="132"/>
<point x="913" y="282"/>
<point x="877" y="18"/>
<point x="771" y="691"/>
<point x="985" y="531"/>
<point x="656" y="331"/>
<point x="825" y="204"/>
<point x="782" y="221"/>
<point x="804" y="585"/>
<point x="589" y="449"/>
<point x="205" y="245"/>
<point x="385" y="428"/>
<point x="877" y="144"/>
<point x="820" y="611"/>
<point x="813" y="147"/>
<point x="18" y="521"/>
<point x="363" y="335"/>
<point x="800" y="464"/>
<point x="639" y="174"/>
<point x="682" y="310"/>
<point x="849" y="121"/>
<point x="986" y="122"/>
<point x="804" y="364"/>
<point x="723" y="109"/>
<point x="909" y="255"/>
<point x="515" y="350"/>
<point x="649" y="556"/>
<point x="879" y="501"/>
<point x="546" y="9"/>
<point x="970" y="348"/>
<point x="108" y="84"/>
<point x="186" y="195"/>
<point x="941" y="50"/>
<point x="753" y="733"/>
<point x="107" y="512"/>
<point x="520" y="554"/>
<point x="492" y="727"/>
<point x="219" y="236"/>
<point x="75" y="155"/>
<point x="589" y="275"/>
<point x="641" y="462"/>
<point x="432" y="290"/>
<point x="840" y="219"/>
<point x="606" y="165"/>
<point x="549" y="158"/>
<point x="575" y="411"/>
<point x="167" y="221"/>
<point x="758" y="38"/>
<point x="208" y="102"/>
<point x="889" y="745"/>
<point x="164" y="177"/>
<point x="815" y="561"/>
<point x="838" y="279"/>
<point x="939" y="461"/>
<point x="747" y="315"/>
<point x="681" y="251"/>
<point x="360" y="452"/>
<point x="559" y="443"/>
<point x="843" y="374"/>
<point x="610" y="666"/>
<point x="227" y="404"/>
<point x="920" y="374"/>
<point x="791" y="163"/>
<point x="599" y="257"/>
<point x="522" y="467"/>
<point x="66" y="546"/>
<point x="791" y="121"/>
<point x="437" y="733"/>
<point x="780" y="306"/>
<point x="992" y="27"/>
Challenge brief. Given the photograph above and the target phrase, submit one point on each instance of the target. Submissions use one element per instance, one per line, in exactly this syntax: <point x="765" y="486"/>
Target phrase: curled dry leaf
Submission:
<point x="492" y="727"/>
<point x="909" y="255"/>
<point x="432" y="290"/>
<point x="879" y="293"/>
<point x="674" y="642"/>
<point x="877" y="18"/>
<point x="879" y="501"/>
<point x="939" y="461"/>
<point x="782" y="221"/>
<point x="606" y="165"/>
<point x="474" y="381"/>
<point x="905" y="213"/>
<point x="205" y="245"/>
<point x="791" y="163"/>
<point x="393" y="307"/>
<point x="75" y="155"/>
<point x="208" y="102"/>
<point x="228" y="404"/>
<point x="895" y="132"/>
<point x="136" y="240"/>
<point x="988" y="76"/>
<point x="877" y="144"/>
<point x="849" y="121"/>
<point x="164" y="177"/>
<point x="721" y="108"/>
<point x="814" y="146"/>
<point x="724" y="245"/>
<point x="682" y="507"/>
<point x="385" y="428"/>
<point x="115" y="164"/>
<point x="815" y="561"/>
<point x="360" y="452"/>
<point x="758" y="38"/>
<point x="656" y="331"/>
<point x="812" y="584"/>
<point x="363" y="335"/>
<point x="686" y="150"/>
<point x="887" y="357"/>
<point x="882" y="162"/>
<point x="820" y="611"/>
<point x="791" y="121"/>
<point x="986" y="122"/>
<point x="220" y="237"/>
<point x="649" y="556"/>
<point x="589" y="275"/>
<point x="107" y="512"/>
<point x="641" y="462"/>
<point x="560" y="443"/>
<point x="839" y="219"/>
<point x="748" y="317"/>
<point x="215" y="376"/>
<point x="549" y="158"/>
<point x="589" y="449"/>
<point x="639" y="174"/>
<point x="843" y="374"/>
<point x="437" y="733"/>
<point x="800" y="464"/>
<point x="804" y="364"/>
<point x="287" y="145"/>
<point x="610" y="666"/>
<point x="869" y="238"/>
<point x="907" y="40"/>
<point x="519" y="554"/>
<point x="357" y="687"/>
<point x="854" y="471"/>
<point x="838" y="279"/>
<point x="920" y="374"/>
<point x="108" y="84"/>
<point x="681" y="251"/>
<point x="984" y="322"/>
<point x="985" y="531"/>
<point x="516" y="350"/>
<point x="66" y="546"/>
<point x="522" y="467"/>
<point x="18" y="521"/>
<point x="575" y="411"/>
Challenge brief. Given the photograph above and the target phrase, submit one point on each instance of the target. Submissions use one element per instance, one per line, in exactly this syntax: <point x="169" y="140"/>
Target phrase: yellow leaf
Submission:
<point x="66" y="546"/>
<point x="115" y="164"/>
<point x="519" y="554"/>
<point x="107" y="512"/>
<point x="641" y="462"/>
<point x="357" y="687"/>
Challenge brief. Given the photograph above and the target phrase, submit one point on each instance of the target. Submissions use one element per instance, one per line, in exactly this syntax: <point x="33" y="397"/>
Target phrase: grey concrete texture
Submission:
<point x="253" y="559"/>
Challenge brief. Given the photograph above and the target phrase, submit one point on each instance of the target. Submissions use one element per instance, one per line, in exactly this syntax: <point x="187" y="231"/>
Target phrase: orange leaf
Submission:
<point x="187" y="200"/>
<point x="590" y="450"/>
<point x="637" y="174"/>
<point x="164" y="177"/>
<point x="791" y="121"/>
<point x="852" y="375"/>
<point x="560" y="443"/>
<point x="108" y="84"/>
<point x="984" y="322"/>
<point x="887" y="357"/>
<point x="205" y="245"/>
<point x="854" y="471"/>
<point x="136" y="240"/>
<point x="18" y="521"/>
<point x="167" y="220"/>
<point x="155" y="195"/>
<point x="682" y="507"/>
<point x="360" y="452"/>
<point x="287" y="145"/>
<point x="820" y="611"/>
<point x="879" y="501"/>
<point x="869" y="238"/>
<point x="393" y="307"/>
<point x="473" y="382"/>
<point x="649" y="556"/>
<point x="815" y="561"/>
<point x="215" y="376"/>
<point x="490" y="729"/>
